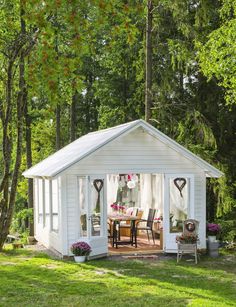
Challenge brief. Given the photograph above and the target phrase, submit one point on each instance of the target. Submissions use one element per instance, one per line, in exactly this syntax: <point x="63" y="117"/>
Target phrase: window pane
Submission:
<point x="40" y="200"/>
<point x="47" y="219"/>
<point x="55" y="222"/>
<point x="47" y="202"/>
<point x="54" y="196"/>
<point x="179" y="202"/>
<point x="82" y="208"/>
<point x="96" y="205"/>
<point x="55" y="205"/>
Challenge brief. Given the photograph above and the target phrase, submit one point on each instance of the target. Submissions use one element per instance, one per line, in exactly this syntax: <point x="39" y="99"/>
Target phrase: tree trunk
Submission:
<point x="29" y="164"/>
<point x="8" y="201"/>
<point x="58" y="127"/>
<point x="148" y="85"/>
<point x="73" y="116"/>
<point x="7" y="187"/>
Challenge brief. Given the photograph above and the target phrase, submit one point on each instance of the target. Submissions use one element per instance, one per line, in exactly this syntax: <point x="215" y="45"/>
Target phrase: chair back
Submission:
<point x="132" y="211"/>
<point x="139" y="214"/>
<point x="151" y="215"/>
<point x="190" y="227"/>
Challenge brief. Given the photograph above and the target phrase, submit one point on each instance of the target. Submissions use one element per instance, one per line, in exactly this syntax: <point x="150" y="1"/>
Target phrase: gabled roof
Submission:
<point x="89" y="143"/>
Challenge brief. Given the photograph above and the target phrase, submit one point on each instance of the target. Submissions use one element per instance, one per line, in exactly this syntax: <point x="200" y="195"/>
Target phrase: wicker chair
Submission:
<point x="148" y="226"/>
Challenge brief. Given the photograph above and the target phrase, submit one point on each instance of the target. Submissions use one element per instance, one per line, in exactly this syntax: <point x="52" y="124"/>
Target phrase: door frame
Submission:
<point x="169" y="245"/>
<point x="98" y="243"/>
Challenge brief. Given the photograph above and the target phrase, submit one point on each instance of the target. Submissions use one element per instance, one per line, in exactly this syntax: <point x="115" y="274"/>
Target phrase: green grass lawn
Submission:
<point x="29" y="278"/>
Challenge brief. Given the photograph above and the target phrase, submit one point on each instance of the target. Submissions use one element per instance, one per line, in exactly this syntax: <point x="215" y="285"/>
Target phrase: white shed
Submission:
<point x="65" y="198"/>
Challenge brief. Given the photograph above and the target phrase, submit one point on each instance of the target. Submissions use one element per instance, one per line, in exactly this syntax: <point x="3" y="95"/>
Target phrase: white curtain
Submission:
<point x="112" y="187"/>
<point x="157" y="191"/>
<point x="178" y="204"/>
<point x="147" y="194"/>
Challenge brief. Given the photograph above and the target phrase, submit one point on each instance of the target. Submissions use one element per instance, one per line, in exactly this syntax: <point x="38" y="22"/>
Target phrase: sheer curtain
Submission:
<point x="151" y="187"/>
<point x="112" y="188"/>
<point x="178" y="204"/>
<point x="145" y="195"/>
<point x="157" y="192"/>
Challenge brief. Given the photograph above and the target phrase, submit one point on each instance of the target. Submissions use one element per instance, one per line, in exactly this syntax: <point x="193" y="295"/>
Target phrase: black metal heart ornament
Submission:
<point x="98" y="184"/>
<point x="180" y="184"/>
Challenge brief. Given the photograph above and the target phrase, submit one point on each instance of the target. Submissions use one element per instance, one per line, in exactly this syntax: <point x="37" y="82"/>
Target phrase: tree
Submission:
<point x="17" y="46"/>
<point x="149" y="62"/>
<point x="217" y="55"/>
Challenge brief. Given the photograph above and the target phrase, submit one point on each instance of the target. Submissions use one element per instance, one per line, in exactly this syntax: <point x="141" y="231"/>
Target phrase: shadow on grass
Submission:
<point x="216" y="283"/>
<point x="41" y="281"/>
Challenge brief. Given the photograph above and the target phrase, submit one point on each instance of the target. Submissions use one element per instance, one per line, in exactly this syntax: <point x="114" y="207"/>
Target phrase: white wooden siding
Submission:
<point x="43" y="234"/>
<point x="72" y="211"/>
<point x="136" y="152"/>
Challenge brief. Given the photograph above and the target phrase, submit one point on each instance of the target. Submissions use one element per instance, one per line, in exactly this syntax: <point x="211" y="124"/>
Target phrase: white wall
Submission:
<point x="136" y="152"/>
<point x="43" y="225"/>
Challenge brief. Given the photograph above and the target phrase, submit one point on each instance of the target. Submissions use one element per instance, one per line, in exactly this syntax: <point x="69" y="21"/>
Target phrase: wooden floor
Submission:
<point x="144" y="247"/>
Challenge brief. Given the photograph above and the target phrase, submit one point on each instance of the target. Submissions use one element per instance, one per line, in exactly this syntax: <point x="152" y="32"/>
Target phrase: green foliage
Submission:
<point x="228" y="230"/>
<point x="217" y="56"/>
<point x="94" y="50"/>
<point x="225" y="194"/>
<point x="194" y="133"/>
<point x="19" y="221"/>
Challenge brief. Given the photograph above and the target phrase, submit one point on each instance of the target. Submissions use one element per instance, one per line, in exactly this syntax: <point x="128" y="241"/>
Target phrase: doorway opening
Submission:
<point x="136" y="194"/>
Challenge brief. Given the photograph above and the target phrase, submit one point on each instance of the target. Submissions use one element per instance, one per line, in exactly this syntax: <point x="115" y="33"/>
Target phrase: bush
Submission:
<point x="20" y="220"/>
<point x="228" y="231"/>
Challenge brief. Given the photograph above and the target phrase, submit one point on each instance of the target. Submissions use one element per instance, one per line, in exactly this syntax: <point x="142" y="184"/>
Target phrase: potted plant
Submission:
<point x="212" y="231"/>
<point x="80" y="250"/>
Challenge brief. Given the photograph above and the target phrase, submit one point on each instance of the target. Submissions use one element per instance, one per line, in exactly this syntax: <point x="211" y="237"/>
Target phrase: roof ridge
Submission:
<point x="114" y="127"/>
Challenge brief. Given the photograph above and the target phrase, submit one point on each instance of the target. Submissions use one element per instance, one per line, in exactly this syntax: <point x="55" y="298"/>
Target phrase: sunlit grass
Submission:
<point x="30" y="278"/>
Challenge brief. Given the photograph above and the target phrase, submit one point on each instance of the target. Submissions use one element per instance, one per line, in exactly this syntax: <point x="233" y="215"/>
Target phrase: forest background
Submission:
<point x="69" y="67"/>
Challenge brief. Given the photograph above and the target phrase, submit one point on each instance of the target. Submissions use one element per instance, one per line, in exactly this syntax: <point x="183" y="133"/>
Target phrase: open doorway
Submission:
<point x="140" y="195"/>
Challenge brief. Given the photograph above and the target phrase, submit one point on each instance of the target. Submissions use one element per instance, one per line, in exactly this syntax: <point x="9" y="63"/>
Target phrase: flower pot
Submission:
<point x="212" y="238"/>
<point x="80" y="259"/>
<point x="213" y="249"/>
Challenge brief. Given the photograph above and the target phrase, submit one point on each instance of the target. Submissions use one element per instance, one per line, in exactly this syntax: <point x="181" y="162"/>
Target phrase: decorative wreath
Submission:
<point x="190" y="226"/>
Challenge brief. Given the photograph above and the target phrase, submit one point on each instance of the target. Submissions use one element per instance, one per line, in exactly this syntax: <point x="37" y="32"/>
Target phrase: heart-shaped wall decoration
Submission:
<point x="98" y="184"/>
<point x="180" y="184"/>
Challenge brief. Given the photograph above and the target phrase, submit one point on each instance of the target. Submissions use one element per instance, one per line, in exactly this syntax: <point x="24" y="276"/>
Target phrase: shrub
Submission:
<point x="228" y="231"/>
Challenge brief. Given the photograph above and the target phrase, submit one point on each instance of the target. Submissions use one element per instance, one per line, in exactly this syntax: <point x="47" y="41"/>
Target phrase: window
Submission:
<point x="179" y="203"/>
<point x="55" y="205"/>
<point x="96" y="206"/>
<point x="47" y="202"/>
<point x="82" y="206"/>
<point x="40" y="191"/>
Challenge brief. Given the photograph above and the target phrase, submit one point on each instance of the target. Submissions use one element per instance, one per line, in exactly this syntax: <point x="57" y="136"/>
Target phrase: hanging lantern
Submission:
<point x="131" y="184"/>
<point x="121" y="182"/>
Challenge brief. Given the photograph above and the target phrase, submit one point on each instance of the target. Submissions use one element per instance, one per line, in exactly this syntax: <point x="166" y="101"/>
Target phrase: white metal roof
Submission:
<point x="89" y="143"/>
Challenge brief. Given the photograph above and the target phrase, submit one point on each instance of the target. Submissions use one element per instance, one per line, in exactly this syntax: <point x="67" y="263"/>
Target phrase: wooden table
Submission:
<point x="115" y="222"/>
